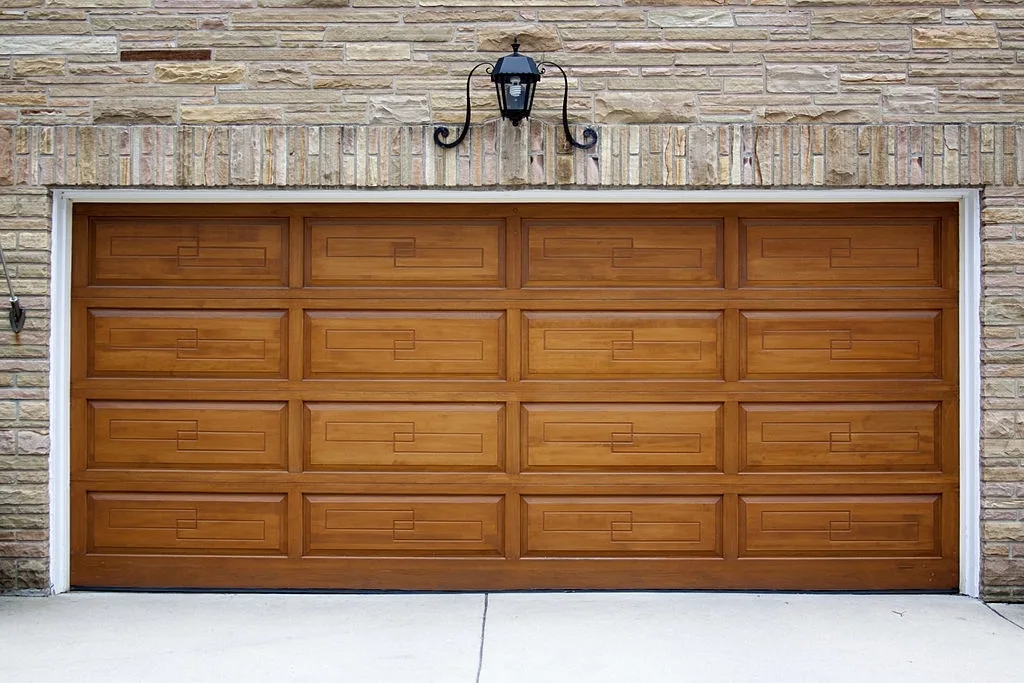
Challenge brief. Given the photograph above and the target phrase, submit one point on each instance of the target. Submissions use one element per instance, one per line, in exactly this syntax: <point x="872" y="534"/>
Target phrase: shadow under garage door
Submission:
<point x="495" y="397"/>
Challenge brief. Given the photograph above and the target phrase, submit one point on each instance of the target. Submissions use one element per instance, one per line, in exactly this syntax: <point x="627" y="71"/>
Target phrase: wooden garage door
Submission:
<point x="488" y="397"/>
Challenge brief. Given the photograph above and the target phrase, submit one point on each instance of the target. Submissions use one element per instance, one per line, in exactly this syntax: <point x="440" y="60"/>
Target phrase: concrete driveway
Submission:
<point x="498" y="638"/>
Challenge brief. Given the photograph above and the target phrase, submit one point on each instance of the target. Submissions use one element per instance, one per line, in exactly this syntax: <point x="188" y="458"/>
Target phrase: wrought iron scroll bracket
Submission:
<point x="442" y="132"/>
<point x="589" y="134"/>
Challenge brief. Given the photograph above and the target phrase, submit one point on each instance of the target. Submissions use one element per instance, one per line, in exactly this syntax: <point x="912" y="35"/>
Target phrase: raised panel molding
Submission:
<point x="840" y="526"/>
<point x="420" y="252"/>
<point x="404" y="437"/>
<point x="181" y="523"/>
<point x="187" y="435"/>
<point x="622" y="437"/>
<point x="597" y="345"/>
<point x="840" y="344"/>
<point x="172" y="343"/>
<point x="823" y="437"/>
<point x="404" y="525"/>
<point x="405" y="345"/>
<point x="621" y="526"/>
<point x="841" y="252"/>
<point x="211" y="251"/>
<point x="623" y="253"/>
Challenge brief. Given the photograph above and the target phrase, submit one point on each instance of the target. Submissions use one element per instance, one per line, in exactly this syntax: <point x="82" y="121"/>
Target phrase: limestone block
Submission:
<point x="691" y="17"/>
<point x="133" y="110"/>
<point x="229" y="114"/>
<point x="1003" y="253"/>
<point x="186" y="72"/>
<point x="396" y="109"/>
<point x="62" y="45"/>
<point x="279" y="74"/>
<point x="532" y="37"/>
<point x="358" y="33"/>
<point x="39" y="66"/>
<point x="378" y="53"/>
<point x="814" y="114"/>
<point x="940" y="37"/>
<point x="811" y="78"/>
<point x="647" y="107"/>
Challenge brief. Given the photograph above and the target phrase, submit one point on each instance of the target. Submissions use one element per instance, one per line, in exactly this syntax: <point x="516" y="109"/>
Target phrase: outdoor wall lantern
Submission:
<point x="16" y="316"/>
<point x="515" y="77"/>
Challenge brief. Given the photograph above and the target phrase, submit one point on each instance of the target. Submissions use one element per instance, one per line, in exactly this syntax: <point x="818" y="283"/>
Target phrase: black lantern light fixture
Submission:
<point x="515" y="78"/>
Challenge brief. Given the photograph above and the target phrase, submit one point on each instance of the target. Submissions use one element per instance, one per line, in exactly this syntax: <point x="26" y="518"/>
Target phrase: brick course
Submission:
<point x="784" y="93"/>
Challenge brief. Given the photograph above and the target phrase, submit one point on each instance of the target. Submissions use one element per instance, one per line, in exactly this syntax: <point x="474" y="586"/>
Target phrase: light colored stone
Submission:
<point x="398" y="109"/>
<point x="63" y="45"/>
<point x="909" y="99"/>
<point x="39" y="66"/>
<point x="814" y="114"/>
<point x="691" y="17"/>
<point x="378" y="53"/>
<point x="532" y="37"/>
<point x="383" y="33"/>
<point x="809" y="78"/>
<point x="645" y="107"/>
<point x="189" y="72"/>
<point x="942" y="37"/>
<point x="133" y="110"/>
<point x="229" y="114"/>
<point x="880" y="15"/>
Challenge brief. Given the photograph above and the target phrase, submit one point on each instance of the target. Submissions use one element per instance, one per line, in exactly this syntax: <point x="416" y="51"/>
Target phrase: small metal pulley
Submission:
<point x="17" y="314"/>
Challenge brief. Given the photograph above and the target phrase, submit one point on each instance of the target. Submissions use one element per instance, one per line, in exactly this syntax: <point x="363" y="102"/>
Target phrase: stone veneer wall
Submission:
<point x="687" y="94"/>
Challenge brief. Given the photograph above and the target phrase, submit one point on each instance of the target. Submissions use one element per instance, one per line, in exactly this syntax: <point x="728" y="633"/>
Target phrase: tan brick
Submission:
<point x="955" y="37"/>
<point x="375" y="53"/>
<point x="199" y="73"/>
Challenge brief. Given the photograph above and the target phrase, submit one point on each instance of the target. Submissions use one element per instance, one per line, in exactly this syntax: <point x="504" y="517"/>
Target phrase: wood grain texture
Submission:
<point x="515" y="396"/>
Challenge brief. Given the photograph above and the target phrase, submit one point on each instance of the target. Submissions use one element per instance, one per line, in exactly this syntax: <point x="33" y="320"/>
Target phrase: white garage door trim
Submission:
<point x="970" y="314"/>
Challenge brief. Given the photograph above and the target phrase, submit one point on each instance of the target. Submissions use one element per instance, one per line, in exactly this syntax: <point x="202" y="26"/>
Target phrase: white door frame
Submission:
<point x="970" y="313"/>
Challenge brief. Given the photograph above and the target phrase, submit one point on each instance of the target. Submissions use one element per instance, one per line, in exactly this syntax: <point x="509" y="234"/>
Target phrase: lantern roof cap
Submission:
<point x="515" y="64"/>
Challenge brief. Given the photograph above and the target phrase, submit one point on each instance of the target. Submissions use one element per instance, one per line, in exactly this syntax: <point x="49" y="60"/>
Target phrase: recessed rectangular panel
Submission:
<point x="824" y="437"/>
<point x="187" y="435"/>
<point x="416" y="252"/>
<point x="622" y="253"/>
<point x="841" y="344"/>
<point x="405" y="345"/>
<point x="403" y="436"/>
<point x="622" y="437"/>
<point x="621" y="526"/>
<point x="186" y="523"/>
<point x="622" y="345"/>
<point x="840" y="526"/>
<point x="423" y="526"/>
<point x="188" y="251"/>
<point x="186" y="343"/>
<point x="840" y="252"/>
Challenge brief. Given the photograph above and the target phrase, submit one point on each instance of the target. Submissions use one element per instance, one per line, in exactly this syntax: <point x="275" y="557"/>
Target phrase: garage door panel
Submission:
<point x="181" y="523"/>
<point x="188" y="435"/>
<point x="405" y="345"/>
<point x="834" y="526"/>
<point x="841" y="344"/>
<point x="420" y="252"/>
<point x="167" y="343"/>
<point x="681" y="345"/>
<point x="171" y="252"/>
<point x="621" y="526"/>
<point x="365" y="525"/>
<point x="822" y="437"/>
<point x="607" y="253"/>
<point x="841" y="253"/>
<point x="404" y="437"/>
<point x="617" y="437"/>
<point x="515" y="396"/>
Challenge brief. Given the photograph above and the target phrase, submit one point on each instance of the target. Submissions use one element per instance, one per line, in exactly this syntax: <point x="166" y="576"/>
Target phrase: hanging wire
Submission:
<point x="16" y="315"/>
